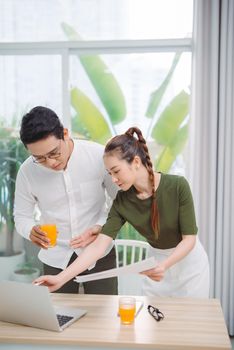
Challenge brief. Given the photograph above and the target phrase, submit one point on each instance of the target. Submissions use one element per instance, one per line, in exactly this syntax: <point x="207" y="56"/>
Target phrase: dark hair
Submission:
<point x="38" y="124"/>
<point x="127" y="147"/>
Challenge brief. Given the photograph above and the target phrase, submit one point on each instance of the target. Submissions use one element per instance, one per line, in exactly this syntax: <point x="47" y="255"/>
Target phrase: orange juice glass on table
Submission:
<point x="127" y="309"/>
<point x="51" y="233"/>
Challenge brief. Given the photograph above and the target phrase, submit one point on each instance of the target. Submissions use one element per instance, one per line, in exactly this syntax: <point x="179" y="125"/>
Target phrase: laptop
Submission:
<point x="31" y="305"/>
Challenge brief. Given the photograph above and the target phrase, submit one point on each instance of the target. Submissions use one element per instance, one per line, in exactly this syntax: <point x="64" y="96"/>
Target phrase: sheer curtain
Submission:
<point x="212" y="129"/>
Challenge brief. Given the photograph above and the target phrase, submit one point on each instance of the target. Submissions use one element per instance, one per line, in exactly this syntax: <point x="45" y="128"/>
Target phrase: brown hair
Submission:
<point x="127" y="146"/>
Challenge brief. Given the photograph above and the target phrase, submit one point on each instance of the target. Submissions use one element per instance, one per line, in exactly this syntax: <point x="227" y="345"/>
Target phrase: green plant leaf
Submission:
<point x="169" y="153"/>
<point x="102" y="79"/>
<point x="12" y="154"/>
<point x="157" y="95"/>
<point x="78" y="128"/>
<point x="171" y="118"/>
<point x="90" y="117"/>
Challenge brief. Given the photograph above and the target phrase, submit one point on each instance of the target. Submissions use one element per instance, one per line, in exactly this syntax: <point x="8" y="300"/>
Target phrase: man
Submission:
<point x="67" y="180"/>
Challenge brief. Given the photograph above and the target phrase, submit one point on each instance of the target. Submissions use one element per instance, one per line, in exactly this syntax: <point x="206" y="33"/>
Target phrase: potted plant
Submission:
<point x="26" y="271"/>
<point x="12" y="154"/>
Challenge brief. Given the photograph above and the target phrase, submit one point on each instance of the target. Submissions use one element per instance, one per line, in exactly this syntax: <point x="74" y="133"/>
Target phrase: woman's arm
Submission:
<point x="90" y="255"/>
<point x="181" y="250"/>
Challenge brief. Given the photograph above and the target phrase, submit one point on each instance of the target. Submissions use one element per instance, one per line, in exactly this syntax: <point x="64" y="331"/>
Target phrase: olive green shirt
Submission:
<point x="176" y="212"/>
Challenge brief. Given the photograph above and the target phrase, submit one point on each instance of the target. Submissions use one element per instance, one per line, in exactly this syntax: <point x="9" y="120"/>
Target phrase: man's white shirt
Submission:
<point x="74" y="199"/>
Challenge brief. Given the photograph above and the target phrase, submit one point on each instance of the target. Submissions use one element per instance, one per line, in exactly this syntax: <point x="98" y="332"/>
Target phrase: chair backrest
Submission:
<point x="128" y="252"/>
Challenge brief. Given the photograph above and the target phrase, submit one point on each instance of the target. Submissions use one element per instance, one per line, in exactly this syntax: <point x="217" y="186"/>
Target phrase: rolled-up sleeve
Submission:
<point x="24" y="206"/>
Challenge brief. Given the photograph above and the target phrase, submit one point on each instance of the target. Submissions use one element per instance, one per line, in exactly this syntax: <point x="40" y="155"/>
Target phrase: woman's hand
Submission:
<point x="87" y="237"/>
<point x="157" y="273"/>
<point x="52" y="282"/>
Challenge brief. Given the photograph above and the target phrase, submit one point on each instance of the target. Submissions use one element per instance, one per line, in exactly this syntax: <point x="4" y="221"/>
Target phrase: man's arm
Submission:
<point x="24" y="207"/>
<point x="110" y="186"/>
<point x="111" y="190"/>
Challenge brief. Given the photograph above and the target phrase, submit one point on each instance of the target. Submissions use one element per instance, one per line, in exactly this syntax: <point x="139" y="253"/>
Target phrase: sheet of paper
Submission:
<point x="132" y="268"/>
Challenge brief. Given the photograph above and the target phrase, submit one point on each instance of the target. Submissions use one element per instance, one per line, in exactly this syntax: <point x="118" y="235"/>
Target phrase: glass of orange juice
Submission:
<point x="127" y="309"/>
<point x="51" y="233"/>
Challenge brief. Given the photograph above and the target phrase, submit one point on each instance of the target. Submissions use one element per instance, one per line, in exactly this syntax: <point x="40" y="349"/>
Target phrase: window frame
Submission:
<point x="67" y="48"/>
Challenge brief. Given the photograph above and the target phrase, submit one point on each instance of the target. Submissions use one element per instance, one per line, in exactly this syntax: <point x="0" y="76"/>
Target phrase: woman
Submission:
<point x="161" y="208"/>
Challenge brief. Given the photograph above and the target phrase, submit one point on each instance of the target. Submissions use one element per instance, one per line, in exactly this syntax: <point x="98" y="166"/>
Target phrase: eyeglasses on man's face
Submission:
<point x="54" y="154"/>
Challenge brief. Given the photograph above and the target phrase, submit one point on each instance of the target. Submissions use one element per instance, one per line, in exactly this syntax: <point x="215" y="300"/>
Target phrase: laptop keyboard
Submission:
<point x="62" y="319"/>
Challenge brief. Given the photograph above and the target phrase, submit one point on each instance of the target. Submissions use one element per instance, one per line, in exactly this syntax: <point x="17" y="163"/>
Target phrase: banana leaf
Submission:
<point x="170" y="152"/>
<point x="170" y="119"/>
<point x="103" y="81"/>
<point x="90" y="117"/>
<point x="157" y="95"/>
<point x="78" y="129"/>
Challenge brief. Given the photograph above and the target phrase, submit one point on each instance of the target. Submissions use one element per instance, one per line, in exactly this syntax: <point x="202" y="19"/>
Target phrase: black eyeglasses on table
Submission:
<point x="155" y="313"/>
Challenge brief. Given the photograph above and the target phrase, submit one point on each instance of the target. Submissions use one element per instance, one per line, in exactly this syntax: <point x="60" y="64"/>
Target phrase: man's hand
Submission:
<point x="156" y="273"/>
<point x="38" y="237"/>
<point x="85" y="238"/>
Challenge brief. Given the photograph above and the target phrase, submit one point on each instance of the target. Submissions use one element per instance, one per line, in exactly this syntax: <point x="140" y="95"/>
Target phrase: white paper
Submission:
<point x="132" y="268"/>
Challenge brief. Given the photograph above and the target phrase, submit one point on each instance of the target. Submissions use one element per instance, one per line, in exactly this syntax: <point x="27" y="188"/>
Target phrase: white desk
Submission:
<point x="188" y="324"/>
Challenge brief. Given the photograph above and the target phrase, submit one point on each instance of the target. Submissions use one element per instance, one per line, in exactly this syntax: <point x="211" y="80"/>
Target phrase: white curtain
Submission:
<point x="212" y="143"/>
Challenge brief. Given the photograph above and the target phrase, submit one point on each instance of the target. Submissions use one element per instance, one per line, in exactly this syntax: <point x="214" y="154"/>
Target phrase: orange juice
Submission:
<point x="51" y="233"/>
<point x="127" y="309"/>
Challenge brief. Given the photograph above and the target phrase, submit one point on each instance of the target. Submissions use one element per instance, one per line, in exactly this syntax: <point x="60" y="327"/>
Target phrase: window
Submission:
<point x="28" y="80"/>
<point x="53" y="52"/>
<point x="122" y="91"/>
<point x="40" y="20"/>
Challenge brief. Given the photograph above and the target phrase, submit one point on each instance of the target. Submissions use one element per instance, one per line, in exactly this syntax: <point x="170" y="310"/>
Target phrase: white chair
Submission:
<point x="127" y="252"/>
